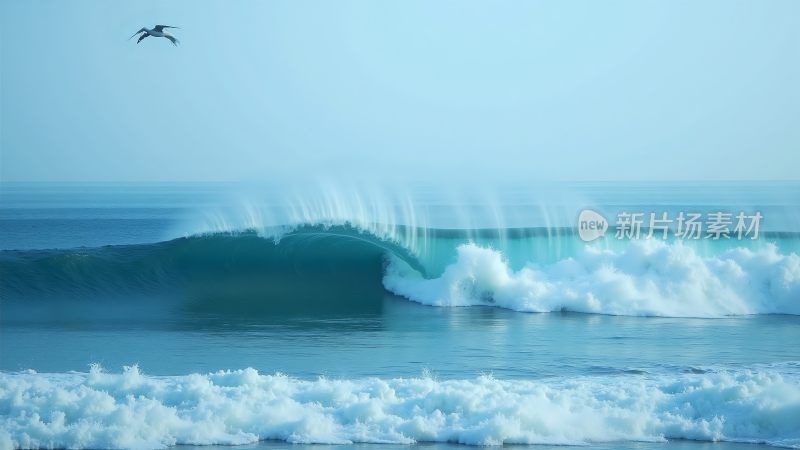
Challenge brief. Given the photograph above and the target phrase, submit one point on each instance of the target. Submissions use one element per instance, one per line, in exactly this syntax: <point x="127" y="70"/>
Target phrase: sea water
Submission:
<point x="150" y="315"/>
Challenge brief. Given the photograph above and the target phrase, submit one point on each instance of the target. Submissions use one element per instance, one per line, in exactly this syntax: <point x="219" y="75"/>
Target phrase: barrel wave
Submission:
<point x="315" y="268"/>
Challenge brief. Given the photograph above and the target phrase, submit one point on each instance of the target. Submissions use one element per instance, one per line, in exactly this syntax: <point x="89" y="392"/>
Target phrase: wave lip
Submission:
<point x="133" y="410"/>
<point x="646" y="278"/>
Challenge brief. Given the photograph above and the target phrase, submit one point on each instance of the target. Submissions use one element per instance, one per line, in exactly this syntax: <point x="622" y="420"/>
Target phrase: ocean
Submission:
<point x="329" y="315"/>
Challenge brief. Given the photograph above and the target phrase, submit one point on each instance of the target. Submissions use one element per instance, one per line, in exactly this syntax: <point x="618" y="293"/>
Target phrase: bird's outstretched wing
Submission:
<point x="142" y="37"/>
<point x="173" y="39"/>
<point x="140" y="31"/>
<point x="160" y="28"/>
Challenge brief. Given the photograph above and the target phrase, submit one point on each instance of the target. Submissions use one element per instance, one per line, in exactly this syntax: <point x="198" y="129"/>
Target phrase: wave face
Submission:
<point x="338" y="268"/>
<point x="309" y="268"/>
<point x="133" y="410"/>
<point x="646" y="278"/>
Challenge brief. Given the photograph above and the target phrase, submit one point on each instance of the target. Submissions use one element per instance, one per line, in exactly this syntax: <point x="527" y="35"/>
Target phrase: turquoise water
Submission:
<point x="153" y="315"/>
<point x="403" y="339"/>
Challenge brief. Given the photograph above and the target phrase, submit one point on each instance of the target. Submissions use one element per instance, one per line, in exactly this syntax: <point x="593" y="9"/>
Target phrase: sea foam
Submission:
<point x="133" y="410"/>
<point x="646" y="278"/>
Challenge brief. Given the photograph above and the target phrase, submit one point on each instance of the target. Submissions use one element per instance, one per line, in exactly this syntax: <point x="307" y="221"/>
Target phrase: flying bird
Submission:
<point x="157" y="31"/>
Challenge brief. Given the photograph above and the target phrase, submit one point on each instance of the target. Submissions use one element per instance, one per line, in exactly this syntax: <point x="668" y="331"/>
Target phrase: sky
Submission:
<point x="417" y="89"/>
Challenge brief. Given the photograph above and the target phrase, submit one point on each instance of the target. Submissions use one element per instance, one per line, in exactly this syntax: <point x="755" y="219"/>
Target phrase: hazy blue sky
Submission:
<point x="528" y="90"/>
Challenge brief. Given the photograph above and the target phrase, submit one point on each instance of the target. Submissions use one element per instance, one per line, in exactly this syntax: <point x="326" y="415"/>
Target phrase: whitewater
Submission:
<point x="134" y="410"/>
<point x="647" y="278"/>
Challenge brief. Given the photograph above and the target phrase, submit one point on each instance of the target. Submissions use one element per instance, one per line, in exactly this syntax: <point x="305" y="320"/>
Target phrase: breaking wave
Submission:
<point x="316" y="268"/>
<point x="646" y="278"/>
<point x="134" y="410"/>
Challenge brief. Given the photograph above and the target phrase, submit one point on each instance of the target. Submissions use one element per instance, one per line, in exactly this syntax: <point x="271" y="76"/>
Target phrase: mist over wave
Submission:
<point x="133" y="410"/>
<point x="645" y="278"/>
